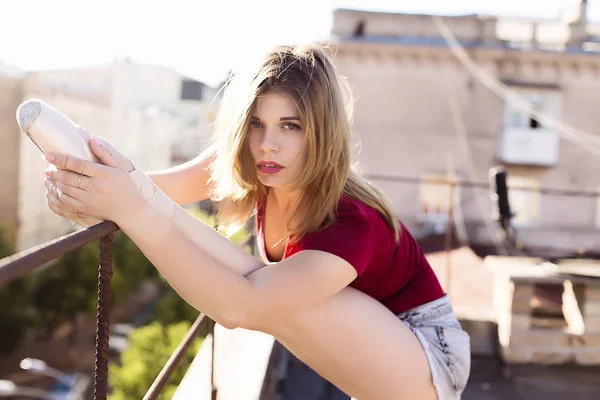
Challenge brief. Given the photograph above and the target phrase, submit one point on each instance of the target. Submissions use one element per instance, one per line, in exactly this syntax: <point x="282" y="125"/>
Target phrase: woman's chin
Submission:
<point x="273" y="182"/>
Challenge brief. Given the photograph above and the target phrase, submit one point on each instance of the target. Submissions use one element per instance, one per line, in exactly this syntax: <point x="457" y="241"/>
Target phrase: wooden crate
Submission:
<point x="576" y="340"/>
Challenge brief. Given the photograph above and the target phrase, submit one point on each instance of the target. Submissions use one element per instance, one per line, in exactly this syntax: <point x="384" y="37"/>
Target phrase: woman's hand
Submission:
<point x="83" y="188"/>
<point x="123" y="161"/>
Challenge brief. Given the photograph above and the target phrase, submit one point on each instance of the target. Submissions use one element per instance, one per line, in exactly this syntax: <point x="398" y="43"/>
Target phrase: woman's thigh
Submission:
<point x="360" y="346"/>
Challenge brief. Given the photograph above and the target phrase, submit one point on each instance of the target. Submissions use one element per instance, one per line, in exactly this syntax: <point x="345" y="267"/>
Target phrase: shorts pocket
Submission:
<point x="455" y="345"/>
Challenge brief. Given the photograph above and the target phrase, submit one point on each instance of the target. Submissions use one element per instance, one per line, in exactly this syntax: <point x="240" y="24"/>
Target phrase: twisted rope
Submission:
<point x="105" y="273"/>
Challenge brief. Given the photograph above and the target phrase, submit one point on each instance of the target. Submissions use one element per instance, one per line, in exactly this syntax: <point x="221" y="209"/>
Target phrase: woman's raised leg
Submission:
<point x="360" y="346"/>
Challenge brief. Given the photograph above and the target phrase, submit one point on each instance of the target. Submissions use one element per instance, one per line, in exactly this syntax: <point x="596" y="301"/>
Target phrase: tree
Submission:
<point x="18" y="317"/>
<point x="152" y="345"/>
<point x="5" y="249"/>
<point x="241" y="237"/>
<point x="43" y="300"/>
<point x="67" y="288"/>
<point x="130" y="267"/>
<point x="150" y="348"/>
<point x="171" y="308"/>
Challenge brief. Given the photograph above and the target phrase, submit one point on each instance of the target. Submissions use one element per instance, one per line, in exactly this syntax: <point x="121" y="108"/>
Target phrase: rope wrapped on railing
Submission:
<point x="105" y="273"/>
<point x="213" y="387"/>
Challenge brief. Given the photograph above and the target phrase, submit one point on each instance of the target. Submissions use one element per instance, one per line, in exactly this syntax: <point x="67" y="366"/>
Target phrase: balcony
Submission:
<point x="234" y="364"/>
<point x="529" y="147"/>
<point x="241" y="351"/>
<point x="241" y="364"/>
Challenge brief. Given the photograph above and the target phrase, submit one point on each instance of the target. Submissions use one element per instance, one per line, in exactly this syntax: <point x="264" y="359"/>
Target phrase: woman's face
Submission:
<point x="276" y="141"/>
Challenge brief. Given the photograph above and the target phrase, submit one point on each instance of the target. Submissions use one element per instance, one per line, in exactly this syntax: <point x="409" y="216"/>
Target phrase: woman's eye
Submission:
<point x="292" y="127"/>
<point x="255" y="124"/>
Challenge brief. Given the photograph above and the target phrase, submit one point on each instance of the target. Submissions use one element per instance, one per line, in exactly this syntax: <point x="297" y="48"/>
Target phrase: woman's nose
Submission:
<point x="269" y="141"/>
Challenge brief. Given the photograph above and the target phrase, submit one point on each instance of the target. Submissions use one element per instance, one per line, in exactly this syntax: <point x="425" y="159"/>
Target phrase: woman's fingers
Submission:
<point x="70" y="178"/>
<point x="85" y="167"/>
<point x="105" y="156"/>
<point x="124" y="162"/>
<point x="62" y="203"/>
<point x="66" y="214"/>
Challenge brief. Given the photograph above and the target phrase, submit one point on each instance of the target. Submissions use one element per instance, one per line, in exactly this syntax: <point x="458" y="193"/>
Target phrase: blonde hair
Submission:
<point x="323" y="101"/>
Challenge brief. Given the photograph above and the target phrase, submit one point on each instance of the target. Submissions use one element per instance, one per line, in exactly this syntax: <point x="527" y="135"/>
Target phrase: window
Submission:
<point x="525" y="204"/>
<point x="538" y="105"/>
<point x="543" y="101"/>
<point x="359" y="30"/>
<point x="434" y="200"/>
<point x="525" y="140"/>
<point x="191" y="89"/>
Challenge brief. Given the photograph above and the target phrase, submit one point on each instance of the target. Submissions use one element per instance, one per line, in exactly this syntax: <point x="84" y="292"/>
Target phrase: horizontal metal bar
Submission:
<point x="480" y="185"/>
<point x="174" y="360"/>
<point x="20" y="264"/>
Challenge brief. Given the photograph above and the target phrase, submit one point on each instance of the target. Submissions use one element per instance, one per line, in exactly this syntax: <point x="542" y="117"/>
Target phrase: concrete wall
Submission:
<point x="150" y="89"/>
<point x="419" y="113"/>
<point x="141" y="137"/>
<point x="10" y="139"/>
<point x="408" y="25"/>
<point x="141" y="113"/>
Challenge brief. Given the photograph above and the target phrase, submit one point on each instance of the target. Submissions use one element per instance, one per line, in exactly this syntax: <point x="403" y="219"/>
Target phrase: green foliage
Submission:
<point x="152" y="345"/>
<point x="41" y="301"/>
<point x="240" y="237"/>
<point x="18" y="316"/>
<point x="5" y="249"/>
<point x="67" y="288"/>
<point x="171" y="308"/>
<point x="130" y="267"/>
<point x="150" y="348"/>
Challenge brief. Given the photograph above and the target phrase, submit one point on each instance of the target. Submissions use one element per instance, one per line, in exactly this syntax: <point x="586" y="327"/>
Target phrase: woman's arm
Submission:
<point x="218" y="289"/>
<point x="184" y="184"/>
<point x="212" y="281"/>
<point x="188" y="182"/>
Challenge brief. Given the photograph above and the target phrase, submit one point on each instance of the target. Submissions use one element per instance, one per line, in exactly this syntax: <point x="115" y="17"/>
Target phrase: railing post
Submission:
<point x="105" y="273"/>
<point x="169" y="367"/>
<point x="213" y="387"/>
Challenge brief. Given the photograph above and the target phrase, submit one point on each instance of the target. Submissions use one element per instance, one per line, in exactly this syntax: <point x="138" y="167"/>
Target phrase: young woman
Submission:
<point x="343" y="285"/>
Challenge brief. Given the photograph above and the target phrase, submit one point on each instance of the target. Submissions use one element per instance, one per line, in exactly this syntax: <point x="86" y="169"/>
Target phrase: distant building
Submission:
<point x="10" y="71"/>
<point x="421" y="114"/>
<point x="11" y="93"/>
<point x="155" y="115"/>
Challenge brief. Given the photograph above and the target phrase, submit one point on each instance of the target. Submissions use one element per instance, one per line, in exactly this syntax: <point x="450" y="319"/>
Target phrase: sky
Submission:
<point x="202" y="39"/>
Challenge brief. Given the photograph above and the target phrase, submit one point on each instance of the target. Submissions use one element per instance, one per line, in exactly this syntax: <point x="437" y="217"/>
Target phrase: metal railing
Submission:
<point x="27" y="261"/>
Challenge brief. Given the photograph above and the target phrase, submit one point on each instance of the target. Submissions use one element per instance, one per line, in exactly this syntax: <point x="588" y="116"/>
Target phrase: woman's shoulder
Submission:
<point x="350" y="214"/>
<point x="352" y="235"/>
<point x="350" y="207"/>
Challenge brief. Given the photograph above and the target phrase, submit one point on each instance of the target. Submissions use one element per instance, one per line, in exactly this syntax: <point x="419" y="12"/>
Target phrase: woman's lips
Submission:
<point x="269" y="167"/>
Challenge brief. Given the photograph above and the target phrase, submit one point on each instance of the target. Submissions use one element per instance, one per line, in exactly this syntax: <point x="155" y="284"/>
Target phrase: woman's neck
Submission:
<point x="285" y="202"/>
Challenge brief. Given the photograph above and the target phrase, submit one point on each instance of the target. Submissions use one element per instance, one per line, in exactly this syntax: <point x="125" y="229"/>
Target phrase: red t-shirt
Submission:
<point x="398" y="275"/>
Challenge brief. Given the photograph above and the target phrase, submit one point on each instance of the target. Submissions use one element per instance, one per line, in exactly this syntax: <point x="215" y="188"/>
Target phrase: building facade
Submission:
<point x="156" y="116"/>
<point x="11" y="93"/>
<point x="423" y="114"/>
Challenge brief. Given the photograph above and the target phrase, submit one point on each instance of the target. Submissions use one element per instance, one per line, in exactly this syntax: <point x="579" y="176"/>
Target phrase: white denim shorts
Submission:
<point x="446" y="344"/>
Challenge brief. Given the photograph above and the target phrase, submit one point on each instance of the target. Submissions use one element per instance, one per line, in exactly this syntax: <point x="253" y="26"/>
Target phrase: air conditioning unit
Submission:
<point x="529" y="146"/>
